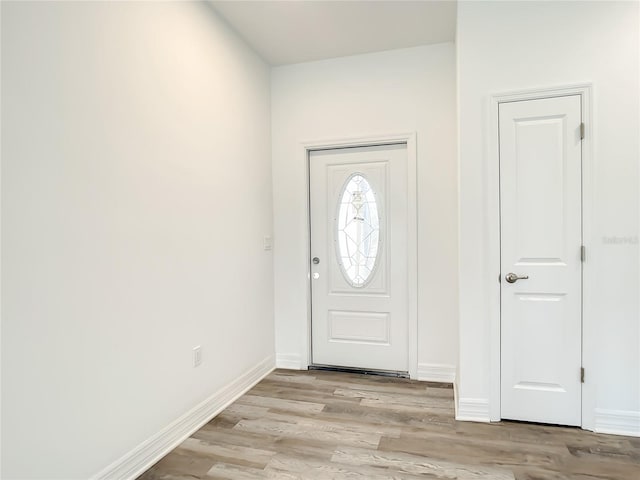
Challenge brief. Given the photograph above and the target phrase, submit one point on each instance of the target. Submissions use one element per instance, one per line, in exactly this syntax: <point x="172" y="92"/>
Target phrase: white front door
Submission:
<point x="540" y="203"/>
<point x="358" y="211"/>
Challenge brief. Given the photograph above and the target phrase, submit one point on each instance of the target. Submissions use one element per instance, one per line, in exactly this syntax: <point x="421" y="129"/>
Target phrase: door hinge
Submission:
<point x="583" y="253"/>
<point x="581" y="374"/>
<point x="581" y="130"/>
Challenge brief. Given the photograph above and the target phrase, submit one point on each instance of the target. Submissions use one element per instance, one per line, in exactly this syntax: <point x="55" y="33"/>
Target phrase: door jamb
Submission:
<point x="412" y="232"/>
<point x="585" y="90"/>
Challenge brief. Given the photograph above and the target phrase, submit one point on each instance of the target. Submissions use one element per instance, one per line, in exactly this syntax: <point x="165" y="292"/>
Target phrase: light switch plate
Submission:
<point x="197" y="355"/>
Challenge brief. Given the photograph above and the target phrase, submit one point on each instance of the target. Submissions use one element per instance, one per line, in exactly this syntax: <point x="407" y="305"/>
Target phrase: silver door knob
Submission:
<point x="513" y="278"/>
<point x="315" y="260"/>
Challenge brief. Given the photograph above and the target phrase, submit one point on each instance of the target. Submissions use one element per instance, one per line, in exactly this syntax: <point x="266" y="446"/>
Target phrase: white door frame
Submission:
<point x="585" y="90"/>
<point x="412" y="232"/>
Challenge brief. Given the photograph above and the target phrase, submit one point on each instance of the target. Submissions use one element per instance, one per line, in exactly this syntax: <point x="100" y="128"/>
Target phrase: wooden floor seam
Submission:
<point x="332" y="425"/>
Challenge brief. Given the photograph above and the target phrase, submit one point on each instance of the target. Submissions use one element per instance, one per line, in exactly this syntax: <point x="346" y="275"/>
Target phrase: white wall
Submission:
<point x="409" y="90"/>
<point x="507" y="46"/>
<point x="136" y="190"/>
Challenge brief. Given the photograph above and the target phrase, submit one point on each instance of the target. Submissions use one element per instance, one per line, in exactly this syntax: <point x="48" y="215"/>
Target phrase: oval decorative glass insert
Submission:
<point x="357" y="230"/>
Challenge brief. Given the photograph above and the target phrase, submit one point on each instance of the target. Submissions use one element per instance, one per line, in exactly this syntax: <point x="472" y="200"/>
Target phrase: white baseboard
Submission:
<point x="290" y="361"/>
<point x="473" y="410"/>
<point x="455" y="399"/>
<point x="436" y="372"/>
<point x="617" y="422"/>
<point x="153" y="449"/>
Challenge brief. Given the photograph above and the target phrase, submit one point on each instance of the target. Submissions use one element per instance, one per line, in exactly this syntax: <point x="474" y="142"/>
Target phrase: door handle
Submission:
<point x="513" y="278"/>
<point x="315" y="260"/>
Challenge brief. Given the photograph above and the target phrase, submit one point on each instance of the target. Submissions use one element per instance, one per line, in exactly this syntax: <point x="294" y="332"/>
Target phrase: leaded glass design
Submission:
<point x="357" y="230"/>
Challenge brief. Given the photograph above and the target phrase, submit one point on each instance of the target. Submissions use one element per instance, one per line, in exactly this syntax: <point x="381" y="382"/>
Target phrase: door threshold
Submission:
<point x="541" y="424"/>
<point x="360" y="371"/>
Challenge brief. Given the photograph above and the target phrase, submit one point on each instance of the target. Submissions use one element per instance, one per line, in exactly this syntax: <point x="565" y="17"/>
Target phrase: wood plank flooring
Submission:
<point x="329" y="425"/>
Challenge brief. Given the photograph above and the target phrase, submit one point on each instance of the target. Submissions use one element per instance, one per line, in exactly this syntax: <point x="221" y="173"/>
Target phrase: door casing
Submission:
<point x="585" y="91"/>
<point x="412" y="232"/>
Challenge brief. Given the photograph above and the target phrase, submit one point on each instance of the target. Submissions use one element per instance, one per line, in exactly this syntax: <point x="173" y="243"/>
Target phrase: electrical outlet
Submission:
<point x="267" y="243"/>
<point x="197" y="355"/>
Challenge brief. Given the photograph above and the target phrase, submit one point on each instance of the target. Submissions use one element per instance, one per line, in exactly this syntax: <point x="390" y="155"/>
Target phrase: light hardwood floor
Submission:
<point x="328" y="425"/>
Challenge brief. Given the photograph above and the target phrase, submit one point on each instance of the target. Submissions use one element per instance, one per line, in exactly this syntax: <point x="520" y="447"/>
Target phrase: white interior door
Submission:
<point x="358" y="211"/>
<point x="541" y="232"/>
